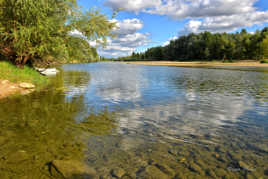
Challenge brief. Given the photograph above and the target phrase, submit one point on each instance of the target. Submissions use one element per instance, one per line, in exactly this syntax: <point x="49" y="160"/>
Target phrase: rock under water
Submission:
<point x="71" y="169"/>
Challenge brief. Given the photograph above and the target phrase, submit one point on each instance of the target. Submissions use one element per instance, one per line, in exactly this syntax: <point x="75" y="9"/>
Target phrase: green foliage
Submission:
<point x="207" y="46"/>
<point x="80" y="50"/>
<point x="264" y="47"/>
<point x="32" y="29"/>
<point x="264" y="61"/>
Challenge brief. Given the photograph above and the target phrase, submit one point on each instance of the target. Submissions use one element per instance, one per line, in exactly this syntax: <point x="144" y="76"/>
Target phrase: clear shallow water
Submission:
<point x="151" y="122"/>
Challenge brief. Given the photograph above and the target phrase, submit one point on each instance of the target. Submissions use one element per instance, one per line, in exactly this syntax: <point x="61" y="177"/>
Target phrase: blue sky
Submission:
<point x="147" y="23"/>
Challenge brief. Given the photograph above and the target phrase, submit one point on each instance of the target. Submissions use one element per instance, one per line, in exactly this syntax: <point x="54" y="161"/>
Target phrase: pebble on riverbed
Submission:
<point x="118" y="172"/>
<point x="71" y="169"/>
<point x="152" y="172"/>
<point x="195" y="168"/>
<point x="8" y="88"/>
<point x="18" y="157"/>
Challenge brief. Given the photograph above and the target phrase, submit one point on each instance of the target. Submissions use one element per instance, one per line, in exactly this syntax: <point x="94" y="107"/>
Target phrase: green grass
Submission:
<point x="264" y="61"/>
<point x="10" y="72"/>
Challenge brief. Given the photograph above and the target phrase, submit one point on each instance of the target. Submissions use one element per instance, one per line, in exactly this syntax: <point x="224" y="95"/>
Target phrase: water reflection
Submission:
<point x="76" y="83"/>
<point x="195" y="108"/>
<point x="179" y="121"/>
<point x="140" y="122"/>
<point x="122" y="85"/>
<point x="41" y="127"/>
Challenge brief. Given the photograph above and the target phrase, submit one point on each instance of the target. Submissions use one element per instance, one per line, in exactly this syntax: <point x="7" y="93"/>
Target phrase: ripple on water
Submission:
<point x="138" y="121"/>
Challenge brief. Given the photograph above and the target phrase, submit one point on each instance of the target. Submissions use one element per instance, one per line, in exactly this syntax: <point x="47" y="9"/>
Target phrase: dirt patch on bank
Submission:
<point x="200" y="64"/>
<point x="8" y="88"/>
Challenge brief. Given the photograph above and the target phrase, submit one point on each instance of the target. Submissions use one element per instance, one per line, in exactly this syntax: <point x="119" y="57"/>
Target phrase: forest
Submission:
<point x="37" y="31"/>
<point x="207" y="46"/>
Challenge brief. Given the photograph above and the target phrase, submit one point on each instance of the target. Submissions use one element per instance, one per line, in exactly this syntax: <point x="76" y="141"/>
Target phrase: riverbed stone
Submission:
<point x="220" y="172"/>
<point x="152" y="172"/>
<point x="196" y="168"/>
<point x="18" y="157"/>
<point x="71" y="169"/>
<point x="245" y="166"/>
<point x="173" y="151"/>
<point x="2" y="140"/>
<point x="126" y="177"/>
<point x="107" y="176"/>
<point x="211" y="173"/>
<point x="118" y="172"/>
<point x="25" y="92"/>
<point x="26" y="85"/>
<point x="5" y="82"/>
<point x="13" y="87"/>
<point x="165" y="169"/>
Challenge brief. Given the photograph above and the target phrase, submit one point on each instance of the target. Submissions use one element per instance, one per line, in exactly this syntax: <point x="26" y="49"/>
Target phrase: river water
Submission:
<point x="141" y="121"/>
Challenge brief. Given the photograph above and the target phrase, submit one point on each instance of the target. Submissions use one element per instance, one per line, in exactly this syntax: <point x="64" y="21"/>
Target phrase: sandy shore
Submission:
<point x="200" y="64"/>
<point x="8" y="88"/>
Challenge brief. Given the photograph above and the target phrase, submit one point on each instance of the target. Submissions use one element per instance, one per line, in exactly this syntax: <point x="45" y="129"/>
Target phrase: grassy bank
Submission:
<point x="264" y="61"/>
<point x="201" y="63"/>
<point x="16" y="75"/>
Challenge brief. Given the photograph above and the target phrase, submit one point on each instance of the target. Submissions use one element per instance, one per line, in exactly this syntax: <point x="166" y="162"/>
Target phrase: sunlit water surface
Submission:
<point x="151" y="122"/>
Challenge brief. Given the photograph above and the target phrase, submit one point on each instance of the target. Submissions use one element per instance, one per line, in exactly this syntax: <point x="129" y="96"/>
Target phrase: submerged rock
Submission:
<point x="152" y="172"/>
<point x="196" y="168"/>
<point x="71" y="169"/>
<point x="244" y="166"/>
<point x="173" y="152"/>
<point x="26" y="85"/>
<point x="25" y="92"/>
<point x="220" y="172"/>
<point x="126" y="177"/>
<point x="18" y="157"/>
<point x="118" y="172"/>
<point x="2" y="140"/>
<point x="165" y="169"/>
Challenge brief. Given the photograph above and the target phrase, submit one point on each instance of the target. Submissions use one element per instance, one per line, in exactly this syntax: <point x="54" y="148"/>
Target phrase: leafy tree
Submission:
<point x="264" y="47"/>
<point x="33" y="29"/>
<point x="208" y="46"/>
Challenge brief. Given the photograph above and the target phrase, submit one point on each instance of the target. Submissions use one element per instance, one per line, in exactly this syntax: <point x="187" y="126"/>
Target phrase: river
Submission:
<point x="141" y="121"/>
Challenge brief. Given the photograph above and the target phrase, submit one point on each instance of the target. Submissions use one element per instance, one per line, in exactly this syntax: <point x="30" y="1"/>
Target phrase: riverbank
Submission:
<point x="19" y="81"/>
<point x="8" y="88"/>
<point x="200" y="63"/>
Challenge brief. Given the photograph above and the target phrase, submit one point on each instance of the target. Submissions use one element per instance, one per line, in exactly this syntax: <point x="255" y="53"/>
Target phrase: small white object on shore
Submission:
<point x="48" y="71"/>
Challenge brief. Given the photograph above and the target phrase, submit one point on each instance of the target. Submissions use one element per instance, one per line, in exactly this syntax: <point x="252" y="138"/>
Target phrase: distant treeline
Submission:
<point x="207" y="46"/>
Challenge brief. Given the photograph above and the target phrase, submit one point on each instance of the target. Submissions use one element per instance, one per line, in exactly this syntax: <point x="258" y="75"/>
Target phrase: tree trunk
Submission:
<point x="25" y="59"/>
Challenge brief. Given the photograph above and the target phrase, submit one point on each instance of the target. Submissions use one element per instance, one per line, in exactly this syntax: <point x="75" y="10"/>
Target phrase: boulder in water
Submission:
<point x="26" y="85"/>
<point x="71" y="169"/>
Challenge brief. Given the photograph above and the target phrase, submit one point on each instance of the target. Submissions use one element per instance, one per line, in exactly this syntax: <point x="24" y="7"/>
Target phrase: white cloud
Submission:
<point x="191" y="26"/>
<point x="128" y="26"/>
<point x="119" y="86"/>
<point x="127" y="38"/>
<point x="180" y="9"/>
<point x="225" y="23"/>
<point x="76" y="33"/>
<point x="132" y="5"/>
<point x="126" y="41"/>
<point x="203" y="15"/>
<point x="168" y="41"/>
<point x="180" y="121"/>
